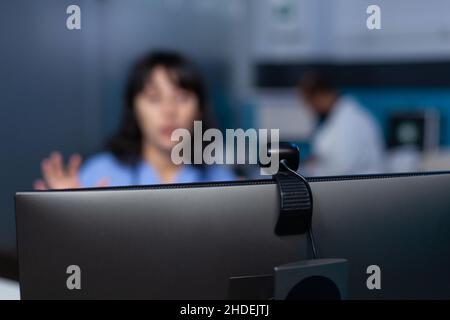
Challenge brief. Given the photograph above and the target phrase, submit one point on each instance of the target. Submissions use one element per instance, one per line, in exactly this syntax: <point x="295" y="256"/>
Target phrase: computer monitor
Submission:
<point x="155" y="242"/>
<point x="187" y="241"/>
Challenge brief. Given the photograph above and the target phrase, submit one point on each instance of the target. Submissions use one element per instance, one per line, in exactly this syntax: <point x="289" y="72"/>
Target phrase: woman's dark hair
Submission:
<point x="126" y="144"/>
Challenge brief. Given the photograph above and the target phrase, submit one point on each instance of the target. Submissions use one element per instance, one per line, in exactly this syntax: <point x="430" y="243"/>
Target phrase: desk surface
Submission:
<point x="9" y="290"/>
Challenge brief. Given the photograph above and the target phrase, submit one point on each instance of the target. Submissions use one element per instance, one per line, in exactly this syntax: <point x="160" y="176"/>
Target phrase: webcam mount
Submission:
<point x="296" y="201"/>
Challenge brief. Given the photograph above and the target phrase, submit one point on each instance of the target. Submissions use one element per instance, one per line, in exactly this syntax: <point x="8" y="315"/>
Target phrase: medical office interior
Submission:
<point x="262" y="62"/>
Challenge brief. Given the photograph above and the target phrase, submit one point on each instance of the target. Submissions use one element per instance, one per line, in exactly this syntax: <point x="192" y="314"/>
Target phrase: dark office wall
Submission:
<point x="61" y="89"/>
<point x="41" y="96"/>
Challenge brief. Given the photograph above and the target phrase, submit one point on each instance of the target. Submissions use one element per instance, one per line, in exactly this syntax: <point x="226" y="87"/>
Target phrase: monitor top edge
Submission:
<point x="240" y="183"/>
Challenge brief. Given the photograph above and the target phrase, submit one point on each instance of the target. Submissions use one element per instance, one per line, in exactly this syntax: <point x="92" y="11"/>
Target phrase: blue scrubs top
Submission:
<point x="105" y="165"/>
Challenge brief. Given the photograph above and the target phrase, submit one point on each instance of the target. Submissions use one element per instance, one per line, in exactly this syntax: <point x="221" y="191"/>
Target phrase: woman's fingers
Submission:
<point x="52" y="169"/>
<point x="39" y="185"/>
<point x="103" y="183"/>
<point x="57" y="165"/>
<point x="74" y="165"/>
<point x="47" y="171"/>
<point x="56" y="175"/>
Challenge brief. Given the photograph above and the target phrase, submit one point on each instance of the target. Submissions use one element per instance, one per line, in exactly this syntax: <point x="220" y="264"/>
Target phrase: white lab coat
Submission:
<point x="348" y="142"/>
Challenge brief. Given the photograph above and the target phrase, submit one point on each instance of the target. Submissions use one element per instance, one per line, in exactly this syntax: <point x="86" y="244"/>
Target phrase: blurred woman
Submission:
<point x="164" y="92"/>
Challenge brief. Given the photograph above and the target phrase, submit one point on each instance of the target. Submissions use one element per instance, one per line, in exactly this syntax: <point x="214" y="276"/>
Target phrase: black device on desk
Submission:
<point x="207" y="241"/>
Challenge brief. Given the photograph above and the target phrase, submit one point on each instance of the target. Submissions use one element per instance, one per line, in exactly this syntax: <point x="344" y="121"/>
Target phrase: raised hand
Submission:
<point x="56" y="176"/>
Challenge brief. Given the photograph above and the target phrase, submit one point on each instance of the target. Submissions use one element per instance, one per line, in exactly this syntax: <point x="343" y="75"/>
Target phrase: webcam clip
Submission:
<point x="296" y="201"/>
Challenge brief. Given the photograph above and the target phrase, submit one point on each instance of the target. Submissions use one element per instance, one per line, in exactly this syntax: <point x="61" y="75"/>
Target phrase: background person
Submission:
<point x="347" y="139"/>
